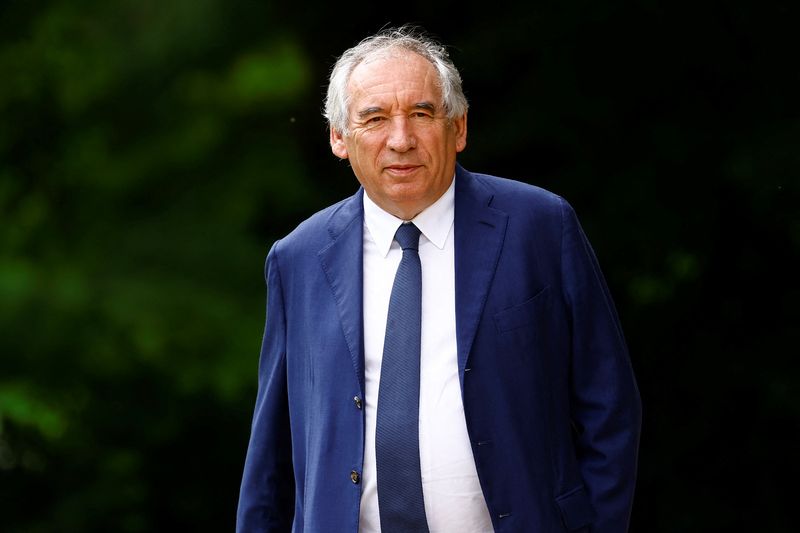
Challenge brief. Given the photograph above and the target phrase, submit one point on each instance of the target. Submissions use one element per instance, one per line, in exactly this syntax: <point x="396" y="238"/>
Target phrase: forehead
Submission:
<point x="395" y="75"/>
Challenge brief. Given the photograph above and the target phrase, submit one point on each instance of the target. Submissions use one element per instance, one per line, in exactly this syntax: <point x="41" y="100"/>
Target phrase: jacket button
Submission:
<point x="357" y="401"/>
<point x="355" y="477"/>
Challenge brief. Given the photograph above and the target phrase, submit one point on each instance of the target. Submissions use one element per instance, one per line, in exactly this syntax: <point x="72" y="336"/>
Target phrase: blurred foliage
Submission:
<point x="143" y="145"/>
<point x="150" y="152"/>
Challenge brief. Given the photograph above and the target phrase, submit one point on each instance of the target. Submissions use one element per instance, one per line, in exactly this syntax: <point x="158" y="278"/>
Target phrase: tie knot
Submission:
<point x="407" y="236"/>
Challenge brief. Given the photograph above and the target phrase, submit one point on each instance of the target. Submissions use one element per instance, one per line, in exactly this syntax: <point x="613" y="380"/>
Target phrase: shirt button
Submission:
<point x="355" y="477"/>
<point x="357" y="401"/>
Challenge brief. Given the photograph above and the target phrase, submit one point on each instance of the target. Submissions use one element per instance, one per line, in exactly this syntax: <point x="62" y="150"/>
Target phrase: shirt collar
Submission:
<point x="434" y="221"/>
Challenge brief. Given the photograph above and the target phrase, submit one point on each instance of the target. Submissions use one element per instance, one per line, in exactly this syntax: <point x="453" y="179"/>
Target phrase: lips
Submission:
<point x="401" y="170"/>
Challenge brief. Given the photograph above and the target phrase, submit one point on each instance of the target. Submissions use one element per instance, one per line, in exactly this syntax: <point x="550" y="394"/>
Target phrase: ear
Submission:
<point x="460" y="127"/>
<point x="338" y="146"/>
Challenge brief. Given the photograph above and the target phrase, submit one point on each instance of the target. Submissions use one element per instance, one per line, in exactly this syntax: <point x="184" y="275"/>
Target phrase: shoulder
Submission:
<point x="324" y="226"/>
<point x="517" y="198"/>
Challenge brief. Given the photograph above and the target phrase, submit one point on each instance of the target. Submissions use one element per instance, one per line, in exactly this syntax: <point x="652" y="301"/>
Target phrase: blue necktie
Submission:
<point x="400" y="502"/>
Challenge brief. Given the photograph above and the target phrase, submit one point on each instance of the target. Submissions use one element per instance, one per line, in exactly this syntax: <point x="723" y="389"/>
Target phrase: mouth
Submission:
<point x="401" y="170"/>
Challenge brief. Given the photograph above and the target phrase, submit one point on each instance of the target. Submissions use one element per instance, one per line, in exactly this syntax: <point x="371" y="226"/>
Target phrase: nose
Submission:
<point x="401" y="135"/>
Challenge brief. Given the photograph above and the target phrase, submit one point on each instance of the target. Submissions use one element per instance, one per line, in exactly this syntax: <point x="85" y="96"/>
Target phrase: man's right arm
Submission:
<point x="266" y="499"/>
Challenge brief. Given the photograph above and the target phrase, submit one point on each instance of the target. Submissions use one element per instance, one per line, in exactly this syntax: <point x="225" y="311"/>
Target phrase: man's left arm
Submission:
<point x="604" y="403"/>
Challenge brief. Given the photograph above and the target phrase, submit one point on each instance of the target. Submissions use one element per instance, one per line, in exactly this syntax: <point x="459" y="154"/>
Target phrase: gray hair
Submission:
<point x="405" y="38"/>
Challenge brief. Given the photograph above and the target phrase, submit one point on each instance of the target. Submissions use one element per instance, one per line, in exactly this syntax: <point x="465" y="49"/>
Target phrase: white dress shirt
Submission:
<point x="453" y="497"/>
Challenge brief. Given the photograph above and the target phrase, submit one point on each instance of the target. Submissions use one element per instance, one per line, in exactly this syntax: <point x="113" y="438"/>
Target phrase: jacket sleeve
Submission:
<point x="266" y="498"/>
<point x="605" y="407"/>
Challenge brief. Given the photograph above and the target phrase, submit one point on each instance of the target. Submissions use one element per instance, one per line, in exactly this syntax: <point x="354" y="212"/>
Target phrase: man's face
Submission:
<point x="401" y="145"/>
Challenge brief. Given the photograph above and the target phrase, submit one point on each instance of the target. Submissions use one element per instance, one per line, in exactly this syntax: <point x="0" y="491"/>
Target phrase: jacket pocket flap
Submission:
<point x="576" y="509"/>
<point x="522" y="314"/>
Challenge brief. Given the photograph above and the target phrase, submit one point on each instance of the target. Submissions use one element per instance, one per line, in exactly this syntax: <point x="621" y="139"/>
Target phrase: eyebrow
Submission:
<point x="369" y="111"/>
<point x="377" y="109"/>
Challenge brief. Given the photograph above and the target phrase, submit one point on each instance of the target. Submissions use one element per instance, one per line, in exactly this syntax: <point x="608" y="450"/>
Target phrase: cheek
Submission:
<point x="366" y="151"/>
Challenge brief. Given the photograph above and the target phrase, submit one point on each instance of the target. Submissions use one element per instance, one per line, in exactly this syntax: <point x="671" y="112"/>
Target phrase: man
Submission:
<point x="463" y="372"/>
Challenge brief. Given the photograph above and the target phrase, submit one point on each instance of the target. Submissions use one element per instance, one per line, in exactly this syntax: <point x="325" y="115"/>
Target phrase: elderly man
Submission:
<point x="441" y="351"/>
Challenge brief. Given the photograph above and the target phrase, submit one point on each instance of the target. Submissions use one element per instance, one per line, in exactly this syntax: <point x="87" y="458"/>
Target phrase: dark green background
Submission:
<point x="151" y="151"/>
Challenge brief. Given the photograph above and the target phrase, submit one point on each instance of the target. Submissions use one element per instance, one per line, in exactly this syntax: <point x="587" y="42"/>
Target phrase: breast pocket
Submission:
<point x="522" y="320"/>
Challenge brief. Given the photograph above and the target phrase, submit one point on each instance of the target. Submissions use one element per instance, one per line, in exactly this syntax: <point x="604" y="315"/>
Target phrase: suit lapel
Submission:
<point x="479" y="233"/>
<point x="342" y="262"/>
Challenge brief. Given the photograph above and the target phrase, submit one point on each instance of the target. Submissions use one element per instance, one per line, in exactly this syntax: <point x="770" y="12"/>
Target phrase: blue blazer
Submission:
<point x="550" y="399"/>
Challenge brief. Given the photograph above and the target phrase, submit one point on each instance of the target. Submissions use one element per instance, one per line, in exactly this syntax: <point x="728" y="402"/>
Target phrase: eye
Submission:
<point x="422" y="115"/>
<point x="375" y="120"/>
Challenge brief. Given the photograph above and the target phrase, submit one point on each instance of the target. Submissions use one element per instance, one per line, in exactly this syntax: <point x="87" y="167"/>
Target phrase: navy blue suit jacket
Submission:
<point x="550" y="400"/>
